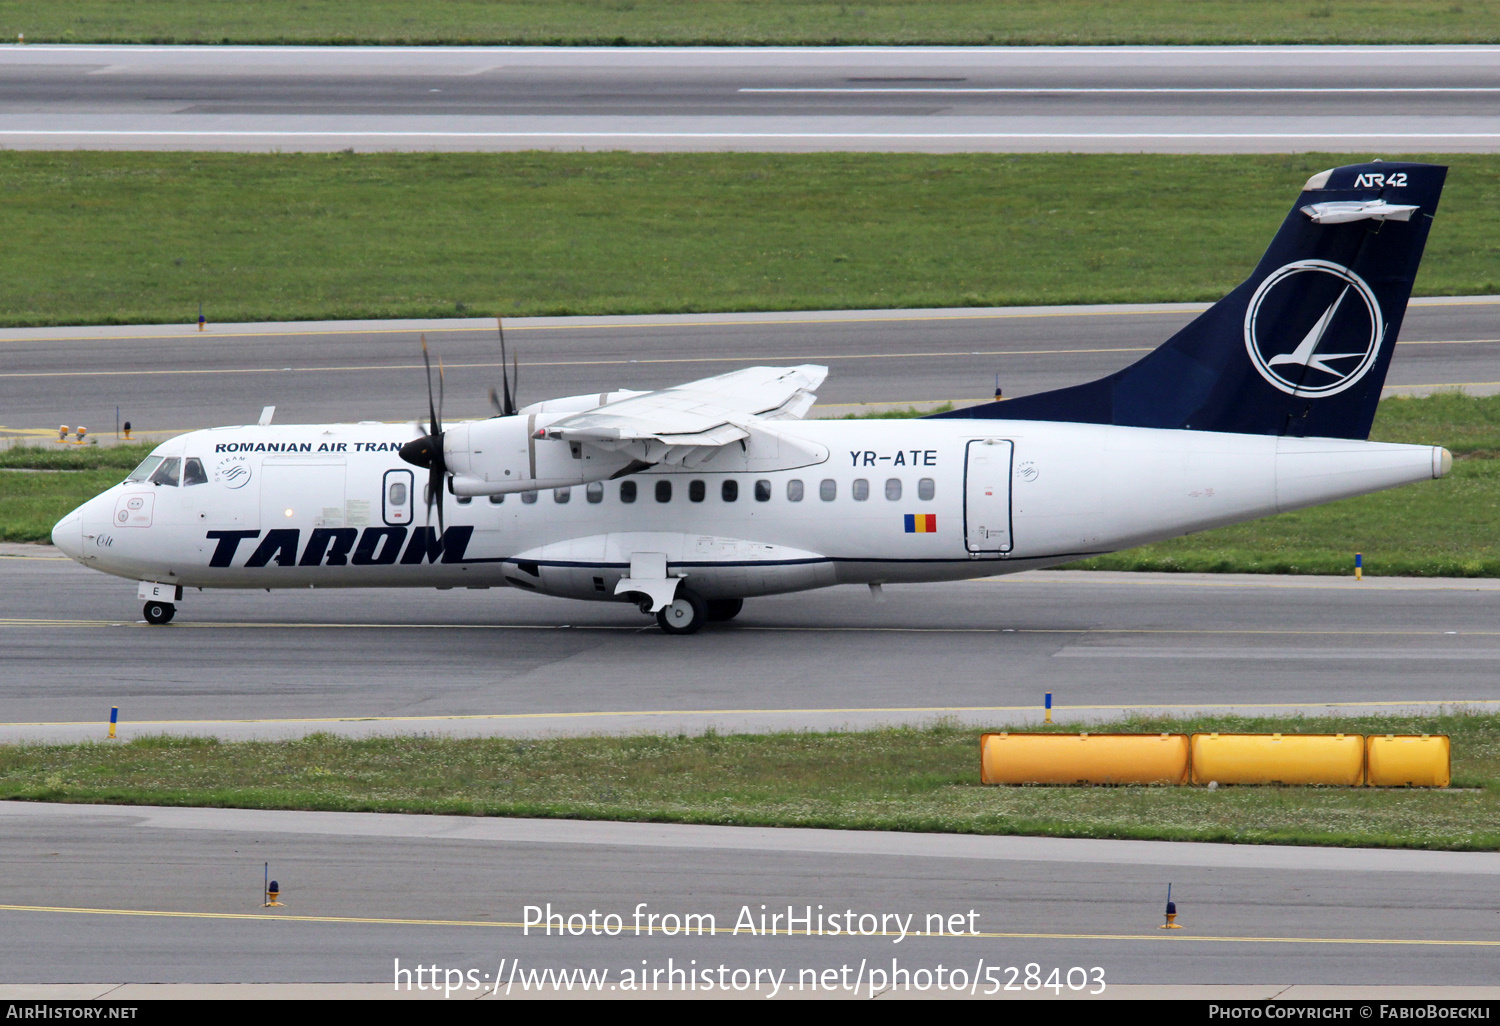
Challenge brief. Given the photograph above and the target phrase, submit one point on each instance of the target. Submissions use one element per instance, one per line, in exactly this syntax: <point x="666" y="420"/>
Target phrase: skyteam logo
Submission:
<point x="232" y="472"/>
<point x="1351" y="323"/>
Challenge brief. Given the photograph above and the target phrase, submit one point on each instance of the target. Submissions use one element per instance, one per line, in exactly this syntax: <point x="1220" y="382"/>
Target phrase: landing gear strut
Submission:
<point x="160" y="612"/>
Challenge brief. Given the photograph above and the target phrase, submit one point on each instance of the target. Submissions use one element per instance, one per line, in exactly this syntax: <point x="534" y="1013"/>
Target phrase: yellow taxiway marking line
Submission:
<point x="1450" y="384"/>
<point x="1344" y="581"/>
<point x="728" y="931"/>
<point x="766" y="712"/>
<point x="617" y="362"/>
<point x="742" y="359"/>
<point x="191" y="334"/>
<point x="16" y="621"/>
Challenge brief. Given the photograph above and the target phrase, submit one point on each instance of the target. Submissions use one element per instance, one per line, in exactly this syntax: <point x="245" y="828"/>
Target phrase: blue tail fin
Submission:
<point x="1302" y="347"/>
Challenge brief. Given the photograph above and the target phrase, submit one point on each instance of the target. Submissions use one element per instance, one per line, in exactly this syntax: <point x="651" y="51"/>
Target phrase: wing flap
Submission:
<point x="709" y="413"/>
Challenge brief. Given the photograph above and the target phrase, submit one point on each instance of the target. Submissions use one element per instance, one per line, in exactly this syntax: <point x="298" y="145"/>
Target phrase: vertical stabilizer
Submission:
<point x="1301" y="348"/>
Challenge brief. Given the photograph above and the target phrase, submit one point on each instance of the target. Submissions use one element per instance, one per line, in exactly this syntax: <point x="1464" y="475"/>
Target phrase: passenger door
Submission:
<point x="987" y="471"/>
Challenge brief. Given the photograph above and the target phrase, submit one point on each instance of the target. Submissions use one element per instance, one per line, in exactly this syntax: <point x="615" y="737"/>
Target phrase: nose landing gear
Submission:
<point x="159" y="600"/>
<point x="160" y="612"/>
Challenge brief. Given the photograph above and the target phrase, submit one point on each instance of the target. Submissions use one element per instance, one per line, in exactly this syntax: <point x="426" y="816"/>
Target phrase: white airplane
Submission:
<point x="687" y="501"/>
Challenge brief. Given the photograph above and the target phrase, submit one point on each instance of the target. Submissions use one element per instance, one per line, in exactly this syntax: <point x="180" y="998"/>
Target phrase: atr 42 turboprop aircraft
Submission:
<point x="689" y="500"/>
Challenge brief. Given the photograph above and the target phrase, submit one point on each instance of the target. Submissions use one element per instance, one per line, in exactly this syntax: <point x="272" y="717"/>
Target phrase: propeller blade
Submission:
<point x="433" y="427"/>
<point x="427" y="451"/>
<point x="495" y="402"/>
<point x="435" y="495"/>
<point x="509" y="409"/>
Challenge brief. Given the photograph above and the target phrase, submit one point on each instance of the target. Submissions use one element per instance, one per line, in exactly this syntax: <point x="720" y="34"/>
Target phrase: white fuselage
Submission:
<point x="334" y="506"/>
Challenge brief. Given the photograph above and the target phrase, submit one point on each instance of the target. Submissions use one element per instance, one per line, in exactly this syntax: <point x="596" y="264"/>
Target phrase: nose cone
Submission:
<point x="68" y="535"/>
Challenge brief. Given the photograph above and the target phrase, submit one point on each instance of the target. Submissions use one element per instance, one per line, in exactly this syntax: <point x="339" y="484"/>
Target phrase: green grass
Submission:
<point x="1464" y="425"/>
<point x="76" y="457"/>
<point x="899" y="779"/>
<point x="30" y="503"/>
<point x="96" y="237"/>
<point x="1444" y="528"/>
<point x="643" y="22"/>
<point x="907" y="414"/>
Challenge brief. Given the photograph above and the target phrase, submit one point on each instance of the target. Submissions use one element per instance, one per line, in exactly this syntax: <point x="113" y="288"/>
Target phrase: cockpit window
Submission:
<point x="142" y="472"/>
<point x="192" y="472"/>
<point x="166" y="474"/>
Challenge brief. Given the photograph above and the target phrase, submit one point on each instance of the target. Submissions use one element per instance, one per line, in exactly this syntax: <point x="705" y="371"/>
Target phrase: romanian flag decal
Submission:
<point x="921" y="523"/>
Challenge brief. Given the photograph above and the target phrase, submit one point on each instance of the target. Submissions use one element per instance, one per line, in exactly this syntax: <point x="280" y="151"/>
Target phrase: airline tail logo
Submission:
<point x="1336" y="351"/>
<point x="921" y="523"/>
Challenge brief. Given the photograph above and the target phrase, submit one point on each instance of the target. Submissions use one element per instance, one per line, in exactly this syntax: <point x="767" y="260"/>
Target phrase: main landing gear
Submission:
<point x="685" y="614"/>
<point x="160" y="612"/>
<point x="689" y="611"/>
<point x="720" y="610"/>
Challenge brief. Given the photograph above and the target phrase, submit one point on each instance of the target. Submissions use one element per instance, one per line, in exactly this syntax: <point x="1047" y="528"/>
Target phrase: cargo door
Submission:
<point x="987" y="495"/>
<point x="297" y="491"/>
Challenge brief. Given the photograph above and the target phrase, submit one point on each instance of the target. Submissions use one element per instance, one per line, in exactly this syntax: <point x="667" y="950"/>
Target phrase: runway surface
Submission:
<point x="98" y="894"/>
<point x="1124" y="99"/>
<point x="171" y="378"/>
<point x="507" y="662"/>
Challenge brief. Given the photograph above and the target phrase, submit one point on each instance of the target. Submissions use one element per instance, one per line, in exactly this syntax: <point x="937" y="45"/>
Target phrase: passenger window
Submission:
<point x="696" y="491"/>
<point x="142" y="472"/>
<point x="594" y="492"/>
<point x="762" y="491"/>
<point x="893" y="489"/>
<point x="794" y="490"/>
<point x="627" y="491"/>
<point x="561" y="495"/>
<point x="925" y="489"/>
<point x="861" y="489"/>
<point x="166" y="474"/>
<point x="192" y="472"/>
<point x="528" y="497"/>
<point x="496" y="500"/>
<point x="464" y="500"/>
<point x="664" y="491"/>
<point x="729" y="491"/>
<point x="828" y="489"/>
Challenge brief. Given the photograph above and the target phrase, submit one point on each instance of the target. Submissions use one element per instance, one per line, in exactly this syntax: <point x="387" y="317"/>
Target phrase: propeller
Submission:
<point x="427" y="452"/>
<point x="508" y="407"/>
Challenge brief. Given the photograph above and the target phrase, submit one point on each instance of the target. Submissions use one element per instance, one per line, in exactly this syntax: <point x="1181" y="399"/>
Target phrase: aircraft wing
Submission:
<point x="686" y="422"/>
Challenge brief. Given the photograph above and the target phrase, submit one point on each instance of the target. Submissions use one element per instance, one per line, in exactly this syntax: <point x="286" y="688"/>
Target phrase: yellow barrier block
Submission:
<point x="1084" y="759"/>
<point x="1279" y="758"/>
<point x="1408" y="760"/>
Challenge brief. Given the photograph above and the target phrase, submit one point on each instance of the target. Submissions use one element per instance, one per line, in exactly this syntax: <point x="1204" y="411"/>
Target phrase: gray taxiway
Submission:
<point x="97" y="894"/>
<point x="1402" y="99"/>
<point x="174" y="377"/>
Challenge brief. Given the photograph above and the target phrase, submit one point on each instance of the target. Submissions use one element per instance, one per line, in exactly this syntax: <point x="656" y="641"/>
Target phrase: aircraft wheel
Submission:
<point x="720" y="610"/>
<point x="160" y="612"/>
<point x="683" y="615"/>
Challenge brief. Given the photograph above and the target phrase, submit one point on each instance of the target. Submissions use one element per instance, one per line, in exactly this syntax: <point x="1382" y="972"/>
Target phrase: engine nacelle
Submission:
<point x="504" y="455"/>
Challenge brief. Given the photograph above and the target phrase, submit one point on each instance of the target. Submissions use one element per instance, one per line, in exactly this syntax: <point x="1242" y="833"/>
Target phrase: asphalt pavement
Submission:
<point x="140" y="896"/>
<point x="1399" y="99"/>
<point x="168" y="378"/>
